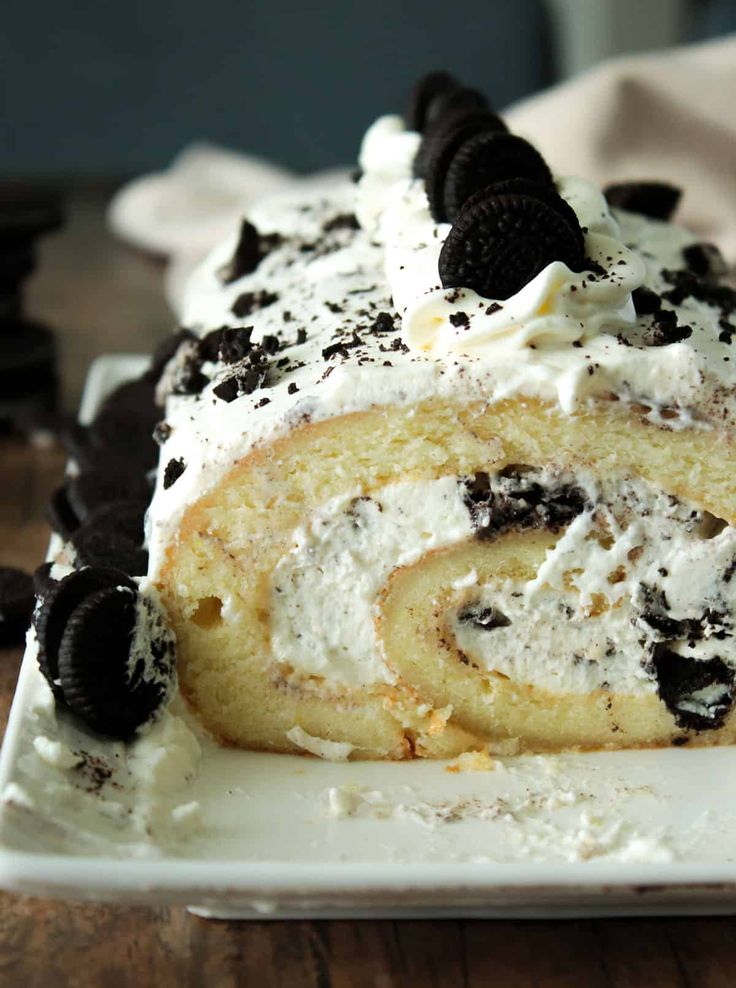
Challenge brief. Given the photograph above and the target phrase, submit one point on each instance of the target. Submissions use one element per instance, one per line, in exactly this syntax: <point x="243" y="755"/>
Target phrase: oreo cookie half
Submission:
<point x="422" y="94"/>
<point x="16" y="605"/>
<point x="94" y="659"/>
<point x="499" y="243"/>
<point x="484" y="159"/>
<point x="57" y="606"/>
<point x="657" y="200"/>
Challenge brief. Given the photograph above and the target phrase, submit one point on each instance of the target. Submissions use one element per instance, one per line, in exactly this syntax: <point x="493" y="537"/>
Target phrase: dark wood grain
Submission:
<point x="103" y="297"/>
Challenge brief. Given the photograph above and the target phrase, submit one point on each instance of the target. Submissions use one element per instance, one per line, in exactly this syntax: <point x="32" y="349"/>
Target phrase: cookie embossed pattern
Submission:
<point x="458" y="268"/>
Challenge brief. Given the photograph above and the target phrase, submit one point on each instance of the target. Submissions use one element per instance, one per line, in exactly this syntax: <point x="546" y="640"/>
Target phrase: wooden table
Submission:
<point x="101" y="296"/>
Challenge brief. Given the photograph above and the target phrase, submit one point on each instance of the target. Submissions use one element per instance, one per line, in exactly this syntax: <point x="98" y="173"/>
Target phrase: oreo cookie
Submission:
<point x="482" y="160"/>
<point x="92" y="489"/>
<point x="124" y="425"/>
<point x="57" y="606"/>
<point x="500" y="242"/>
<point x="453" y="127"/>
<point x="60" y="514"/>
<point x="165" y="351"/>
<point x="98" y="546"/>
<point x="16" y="605"/>
<point x="246" y="257"/>
<point x="458" y="100"/>
<point x="94" y="661"/>
<point x="657" y="200"/>
<point x="423" y="92"/>
<point x="543" y="192"/>
<point x="699" y="693"/>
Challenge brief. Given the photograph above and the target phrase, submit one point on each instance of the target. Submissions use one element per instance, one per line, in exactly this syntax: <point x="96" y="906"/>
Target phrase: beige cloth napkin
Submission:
<point x="670" y="115"/>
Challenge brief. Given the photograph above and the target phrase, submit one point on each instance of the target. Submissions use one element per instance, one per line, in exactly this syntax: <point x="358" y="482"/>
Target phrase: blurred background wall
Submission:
<point x="107" y="88"/>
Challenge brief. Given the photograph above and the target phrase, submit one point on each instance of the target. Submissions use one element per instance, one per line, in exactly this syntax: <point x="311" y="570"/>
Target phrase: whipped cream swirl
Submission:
<point x="558" y="306"/>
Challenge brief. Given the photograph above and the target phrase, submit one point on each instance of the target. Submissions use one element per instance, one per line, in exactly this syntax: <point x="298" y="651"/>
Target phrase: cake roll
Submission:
<point x="446" y="460"/>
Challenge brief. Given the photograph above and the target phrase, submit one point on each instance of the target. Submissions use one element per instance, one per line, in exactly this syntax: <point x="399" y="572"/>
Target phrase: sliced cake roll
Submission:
<point x="447" y="460"/>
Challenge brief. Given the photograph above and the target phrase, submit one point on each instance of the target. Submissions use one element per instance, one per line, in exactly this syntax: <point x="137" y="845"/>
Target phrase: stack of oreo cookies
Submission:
<point x="88" y="621"/>
<point x="508" y="220"/>
<point x="28" y="381"/>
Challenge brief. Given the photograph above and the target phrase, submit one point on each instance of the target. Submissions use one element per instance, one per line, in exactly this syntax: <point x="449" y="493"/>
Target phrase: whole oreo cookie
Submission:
<point x="423" y="92"/>
<point x="16" y="605"/>
<point x="657" y="200"/>
<point x="499" y="243"/>
<point x="60" y="514"/>
<point x="92" y="489"/>
<point x="95" y="546"/>
<point x="94" y="659"/>
<point x="443" y="129"/>
<point x="124" y="425"/>
<point x="543" y="192"/>
<point x="439" y="148"/>
<point x="459" y="100"/>
<point x="482" y="160"/>
<point x="57" y="606"/>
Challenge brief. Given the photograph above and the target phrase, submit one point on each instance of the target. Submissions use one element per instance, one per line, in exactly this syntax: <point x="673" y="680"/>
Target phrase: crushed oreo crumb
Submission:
<point x="174" y="470"/>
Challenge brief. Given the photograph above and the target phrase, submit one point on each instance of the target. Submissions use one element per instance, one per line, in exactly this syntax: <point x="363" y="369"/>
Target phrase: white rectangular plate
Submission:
<point x="280" y="836"/>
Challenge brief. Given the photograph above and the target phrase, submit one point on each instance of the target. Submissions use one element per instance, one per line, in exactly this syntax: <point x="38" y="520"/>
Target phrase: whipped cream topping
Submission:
<point x="321" y="288"/>
<point x="558" y="325"/>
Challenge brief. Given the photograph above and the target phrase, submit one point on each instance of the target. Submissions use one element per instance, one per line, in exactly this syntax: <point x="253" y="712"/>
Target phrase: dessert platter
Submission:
<point x="400" y="579"/>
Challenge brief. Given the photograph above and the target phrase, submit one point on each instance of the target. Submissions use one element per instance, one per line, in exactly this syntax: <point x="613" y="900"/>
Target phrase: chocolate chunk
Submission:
<point x="483" y="160"/>
<point x="516" y="499"/>
<point x="704" y="260"/>
<point x="685" y="284"/>
<point x="646" y="302"/>
<point x="699" y="693"/>
<point x="249" y="302"/>
<point x="422" y="94"/>
<point x="658" y="200"/>
<point x="383" y="323"/>
<point x="483" y="618"/>
<point x="247" y="254"/>
<point x="60" y="514"/>
<point x="174" y="470"/>
<point x="228" y="345"/>
<point x="166" y="350"/>
<point x="94" y="658"/>
<point x="343" y="221"/>
<point x="227" y="390"/>
<point x="95" y="545"/>
<point x="16" y="605"/>
<point x="161" y="433"/>
<point x="457" y="100"/>
<point x="94" y="488"/>
<point x="498" y="244"/>
<point x="57" y="606"/>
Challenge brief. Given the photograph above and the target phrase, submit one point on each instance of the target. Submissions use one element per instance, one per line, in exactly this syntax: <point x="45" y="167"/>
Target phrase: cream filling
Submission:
<point x="576" y="627"/>
<point x="324" y="591"/>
